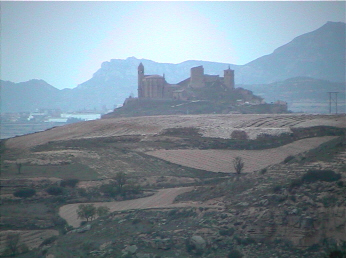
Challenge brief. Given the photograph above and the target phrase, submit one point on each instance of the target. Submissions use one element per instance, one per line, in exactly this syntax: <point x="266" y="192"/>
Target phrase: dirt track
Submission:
<point x="163" y="198"/>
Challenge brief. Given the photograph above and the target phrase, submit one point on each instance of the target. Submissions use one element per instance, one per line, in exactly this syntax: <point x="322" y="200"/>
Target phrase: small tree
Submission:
<point x="12" y="241"/>
<point x="120" y="178"/>
<point x="86" y="211"/>
<point x="19" y="167"/>
<point x="238" y="164"/>
<point x="102" y="211"/>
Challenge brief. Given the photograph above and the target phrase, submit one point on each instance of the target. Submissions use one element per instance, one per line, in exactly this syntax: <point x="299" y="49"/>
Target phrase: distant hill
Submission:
<point x="303" y="94"/>
<point x="28" y="96"/>
<point x="319" y="54"/>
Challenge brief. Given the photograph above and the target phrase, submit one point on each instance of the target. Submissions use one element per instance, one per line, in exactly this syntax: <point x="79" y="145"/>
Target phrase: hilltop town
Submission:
<point x="199" y="94"/>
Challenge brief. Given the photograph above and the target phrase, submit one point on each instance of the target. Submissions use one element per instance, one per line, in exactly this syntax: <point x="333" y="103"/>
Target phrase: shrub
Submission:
<point x="320" y="175"/>
<point x="109" y="190"/>
<point x="340" y="183"/>
<point x="25" y="193"/>
<point x="263" y="171"/>
<point x="69" y="182"/>
<point x="296" y="183"/>
<point x="239" y="135"/>
<point x="102" y="211"/>
<point x="235" y="254"/>
<point x="277" y="188"/>
<point x="288" y="158"/>
<point x="54" y="190"/>
<point x="49" y="240"/>
<point x="226" y="232"/>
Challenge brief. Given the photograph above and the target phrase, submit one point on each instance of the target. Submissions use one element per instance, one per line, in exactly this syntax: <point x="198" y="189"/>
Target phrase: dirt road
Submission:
<point x="163" y="198"/>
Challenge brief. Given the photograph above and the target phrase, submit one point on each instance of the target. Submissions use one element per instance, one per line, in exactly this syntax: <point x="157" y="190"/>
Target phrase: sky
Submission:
<point x="64" y="43"/>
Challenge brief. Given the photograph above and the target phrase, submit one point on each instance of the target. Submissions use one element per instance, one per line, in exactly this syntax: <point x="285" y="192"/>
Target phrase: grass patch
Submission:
<point x="80" y="171"/>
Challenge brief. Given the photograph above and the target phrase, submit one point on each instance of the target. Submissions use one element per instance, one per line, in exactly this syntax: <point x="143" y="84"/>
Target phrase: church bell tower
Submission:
<point x="140" y="80"/>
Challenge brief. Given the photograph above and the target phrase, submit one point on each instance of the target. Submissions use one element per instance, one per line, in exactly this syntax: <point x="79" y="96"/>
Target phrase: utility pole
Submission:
<point x="333" y="98"/>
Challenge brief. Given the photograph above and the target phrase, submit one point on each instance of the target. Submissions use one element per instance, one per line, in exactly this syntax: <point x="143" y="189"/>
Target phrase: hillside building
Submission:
<point x="156" y="86"/>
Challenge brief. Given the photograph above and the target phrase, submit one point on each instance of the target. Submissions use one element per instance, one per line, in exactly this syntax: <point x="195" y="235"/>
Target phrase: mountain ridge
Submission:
<point x="318" y="54"/>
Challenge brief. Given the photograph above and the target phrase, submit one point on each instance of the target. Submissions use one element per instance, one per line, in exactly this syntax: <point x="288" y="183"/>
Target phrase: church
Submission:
<point x="156" y="86"/>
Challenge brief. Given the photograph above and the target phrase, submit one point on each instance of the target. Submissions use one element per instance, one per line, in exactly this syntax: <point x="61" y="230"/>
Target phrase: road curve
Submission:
<point x="163" y="198"/>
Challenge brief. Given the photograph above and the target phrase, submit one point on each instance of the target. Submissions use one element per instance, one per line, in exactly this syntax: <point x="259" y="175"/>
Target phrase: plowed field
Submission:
<point x="163" y="198"/>
<point x="221" y="160"/>
<point x="209" y="125"/>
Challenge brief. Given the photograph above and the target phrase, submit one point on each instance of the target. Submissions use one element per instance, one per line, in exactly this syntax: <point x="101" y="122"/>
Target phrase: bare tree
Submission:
<point x="19" y="166"/>
<point x="120" y="178"/>
<point x="238" y="164"/>
<point x="12" y="241"/>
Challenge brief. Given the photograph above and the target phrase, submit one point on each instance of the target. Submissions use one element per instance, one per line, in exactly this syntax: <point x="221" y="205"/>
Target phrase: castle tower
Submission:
<point x="229" y="78"/>
<point x="197" y="77"/>
<point x="140" y="80"/>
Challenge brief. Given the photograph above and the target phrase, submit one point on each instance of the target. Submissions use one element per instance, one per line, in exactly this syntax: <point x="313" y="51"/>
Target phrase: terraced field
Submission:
<point x="221" y="160"/>
<point x="31" y="238"/>
<point x="163" y="198"/>
<point x="220" y="126"/>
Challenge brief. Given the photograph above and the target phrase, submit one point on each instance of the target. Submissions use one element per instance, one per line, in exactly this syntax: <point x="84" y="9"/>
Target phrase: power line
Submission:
<point x="333" y="98"/>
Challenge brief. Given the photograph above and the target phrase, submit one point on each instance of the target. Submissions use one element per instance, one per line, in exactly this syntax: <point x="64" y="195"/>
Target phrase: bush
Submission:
<point x="239" y="135"/>
<point x="109" y="190"/>
<point x="277" y="188"/>
<point x="235" y="254"/>
<point x="296" y="183"/>
<point x="102" y="211"/>
<point x="288" y="158"/>
<point x="49" y="240"/>
<point x="69" y="182"/>
<point x="340" y="183"/>
<point x="320" y="175"/>
<point x="54" y="190"/>
<point x="263" y="171"/>
<point x="25" y="193"/>
<point x="226" y="232"/>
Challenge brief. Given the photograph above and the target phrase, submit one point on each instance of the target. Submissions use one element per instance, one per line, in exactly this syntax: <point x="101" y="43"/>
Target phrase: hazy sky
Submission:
<point x="64" y="43"/>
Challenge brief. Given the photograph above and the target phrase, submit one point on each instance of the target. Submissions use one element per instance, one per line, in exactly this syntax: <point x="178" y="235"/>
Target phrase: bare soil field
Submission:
<point x="163" y="198"/>
<point x="220" y="126"/>
<point x="221" y="160"/>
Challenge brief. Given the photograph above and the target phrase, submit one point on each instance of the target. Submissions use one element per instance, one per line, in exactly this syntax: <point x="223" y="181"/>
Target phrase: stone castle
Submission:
<point x="156" y="87"/>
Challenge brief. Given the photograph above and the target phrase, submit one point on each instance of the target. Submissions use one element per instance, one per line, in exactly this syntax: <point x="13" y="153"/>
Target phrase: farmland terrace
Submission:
<point x="183" y="166"/>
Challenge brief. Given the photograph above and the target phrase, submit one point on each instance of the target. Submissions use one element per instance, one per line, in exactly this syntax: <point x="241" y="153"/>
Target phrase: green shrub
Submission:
<point x="25" y="193"/>
<point x="340" y="183"/>
<point x="54" y="190"/>
<point x="296" y="183"/>
<point x="263" y="171"/>
<point x="226" y="232"/>
<point x="320" y="175"/>
<point x="69" y="182"/>
<point x="235" y="254"/>
<point x="239" y="135"/>
<point x="109" y="190"/>
<point x="49" y="240"/>
<point x="277" y="188"/>
<point x="288" y="158"/>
